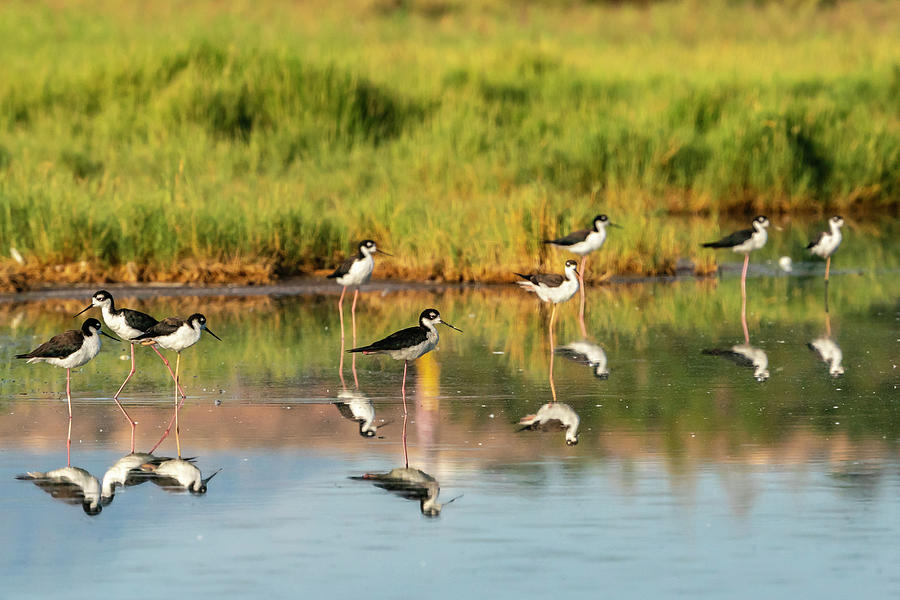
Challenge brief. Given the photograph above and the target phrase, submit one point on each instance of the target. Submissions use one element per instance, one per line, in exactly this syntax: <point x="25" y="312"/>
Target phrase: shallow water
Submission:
<point x="691" y="477"/>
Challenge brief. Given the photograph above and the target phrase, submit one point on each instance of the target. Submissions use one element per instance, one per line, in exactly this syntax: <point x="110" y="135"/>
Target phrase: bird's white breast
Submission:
<point x="183" y="337"/>
<point x="360" y="272"/>
<point x="117" y="323"/>
<point x="757" y="240"/>
<point x="414" y="352"/>
<point x="828" y="244"/>
<point x="90" y="346"/>
<point x="558" y="294"/>
<point x="593" y="241"/>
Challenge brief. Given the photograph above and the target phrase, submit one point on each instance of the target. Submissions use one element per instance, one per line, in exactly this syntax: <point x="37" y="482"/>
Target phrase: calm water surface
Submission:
<point x="691" y="478"/>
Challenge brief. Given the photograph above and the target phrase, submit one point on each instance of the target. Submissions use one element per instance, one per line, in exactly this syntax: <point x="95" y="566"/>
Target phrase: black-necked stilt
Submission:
<point x="582" y="243"/>
<point x="412" y="484"/>
<point x="354" y="272"/>
<point x="127" y="472"/>
<point x="554" y="412"/>
<point x="830" y="353"/>
<point x="744" y="242"/>
<point x="72" y="485"/>
<point x="178" y="474"/>
<point x="587" y="353"/>
<point x="176" y="334"/>
<point x="355" y="406"/>
<point x="827" y="242"/>
<point x="410" y="343"/>
<point x="552" y="288"/>
<point x="745" y="355"/>
<point x="69" y="350"/>
<point x="127" y="324"/>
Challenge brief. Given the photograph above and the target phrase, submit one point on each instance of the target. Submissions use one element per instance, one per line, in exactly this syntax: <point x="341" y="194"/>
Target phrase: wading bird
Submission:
<point x="552" y="413"/>
<point x="582" y="243"/>
<point x="127" y="324"/>
<point x="354" y="272"/>
<point x="410" y="343"/>
<point x="744" y="242"/>
<point x="827" y="242"/>
<point x="176" y="334"/>
<point x="69" y="350"/>
<point x="745" y="355"/>
<point x="552" y="288"/>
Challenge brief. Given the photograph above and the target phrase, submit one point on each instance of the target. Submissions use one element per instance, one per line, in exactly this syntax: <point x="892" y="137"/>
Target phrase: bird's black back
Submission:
<point x="816" y="241"/>
<point x="548" y="279"/>
<point x="59" y="346"/>
<point x="729" y="241"/>
<point x="571" y="239"/>
<point x="138" y="320"/>
<point x="167" y="326"/>
<point x="411" y="336"/>
<point x="735" y="357"/>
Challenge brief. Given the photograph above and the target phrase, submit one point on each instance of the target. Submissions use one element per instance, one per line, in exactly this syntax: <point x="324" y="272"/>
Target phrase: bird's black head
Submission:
<point x="366" y="433"/>
<point x="91" y="510"/>
<point x="571" y="264"/>
<point x="197" y="318"/>
<point x="101" y="297"/>
<point x="837" y="220"/>
<point x="430" y="314"/>
<point x="600" y="221"/>
<point x="90" y="326"/>
<point x="762" y="221"/>
<point x="572" y="441"/>
<point x="368" y="245"/>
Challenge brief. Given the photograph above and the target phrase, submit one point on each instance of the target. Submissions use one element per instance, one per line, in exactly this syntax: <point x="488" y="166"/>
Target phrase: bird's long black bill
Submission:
<point x="383" y="252"/>
<point x="109" y="336"/>
<point x="212" y="334"/>
<point x="450" y="326"/>
<point x="453" y="500"/>
<point x="616" y="225"/>
<point x="89" y="307"/>
<point x="205" y="481"/>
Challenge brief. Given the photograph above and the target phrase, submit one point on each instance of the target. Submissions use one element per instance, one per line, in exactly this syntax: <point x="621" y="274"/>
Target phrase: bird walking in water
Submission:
<point x="354" y="272"/>
<point x="127" y="324"/>
<point x="582" y="243"/>
<point x="744" y="242"/>
<point x="827" y="242"/>
<point x="553" y="288"/>
<point x="69" y="350"/>
<point x="175" y="334"/>
<point x="410" y="343"/>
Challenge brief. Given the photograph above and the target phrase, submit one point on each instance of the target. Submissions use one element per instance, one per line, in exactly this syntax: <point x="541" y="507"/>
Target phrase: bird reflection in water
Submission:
<point x="178" y="475"/>
<point x="127" y="472"/>
<point x="72" y="485"/>
<point x="745" y="355"/>
<point x="412" y="484"/>
<point x="586" y="353"/>
<point x="827" y="348"/>
<point x="554" y="415"/>
<point x="356" y="406"/>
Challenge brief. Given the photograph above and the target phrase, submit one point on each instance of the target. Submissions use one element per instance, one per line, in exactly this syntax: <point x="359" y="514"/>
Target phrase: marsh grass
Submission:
<point x="274" y="136"/>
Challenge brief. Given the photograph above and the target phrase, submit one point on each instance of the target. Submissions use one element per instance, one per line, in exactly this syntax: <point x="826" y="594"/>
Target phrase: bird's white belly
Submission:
<point x="756" y="241"/>
<point x="414" y="352"/>
<point x="360" y="272"/>
<point x="557" y="294"/>
<point x="183" y="337"/>
<point x="827" y="246"/>
<point x="594" y="241"/>
<point x="119" y="326"/>
<point x="89" y="349"/>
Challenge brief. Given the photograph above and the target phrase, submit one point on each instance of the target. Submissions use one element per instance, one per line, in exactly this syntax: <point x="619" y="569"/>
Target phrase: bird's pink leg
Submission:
<point x="552" y="384"/>
<point x="403" y="387"/>
<point x="744" y="300"/>
<point x="341" y="315"/>
<point x="169" y="368"/>
<point x="353" y="320"/>
<point x="69" y="436"/>
<point x="177" y="405"/>
<point x="183" y="398"/>
<point x="405" y="450"/>
<point x="119" y="404"/>
<point x="827" y="267"/>
<point x="581" y="289"/>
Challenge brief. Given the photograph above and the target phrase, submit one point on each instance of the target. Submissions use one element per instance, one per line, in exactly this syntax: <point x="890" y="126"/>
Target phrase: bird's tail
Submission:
<point x="23" y="355"/>
<point x="713" y="245"/>
<point x="362" y="349"/>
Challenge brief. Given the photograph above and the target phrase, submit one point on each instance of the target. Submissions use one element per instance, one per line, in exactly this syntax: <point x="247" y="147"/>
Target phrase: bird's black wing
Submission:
<point x="729" y="241"/>
<point x="59" y="346"/>
<point x="398" y="340"/>
<point x="548" y="279"/>
<point x="138" y="320"/>
<point x="572" y="355"/>
<point x="167" y="326"/>
<point x="571" y="239"/>
<point x="345" y="411"/>
<point x="816" y="241"/>
<point x="344" y="268"/>
<point x="736" y="358"/>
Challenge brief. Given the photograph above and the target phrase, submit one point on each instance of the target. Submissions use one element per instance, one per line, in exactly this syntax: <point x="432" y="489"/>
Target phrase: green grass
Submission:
<point x="260" y="141"/>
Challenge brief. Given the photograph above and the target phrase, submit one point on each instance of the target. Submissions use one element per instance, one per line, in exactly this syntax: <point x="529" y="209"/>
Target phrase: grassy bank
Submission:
<point x="149" y="143"/>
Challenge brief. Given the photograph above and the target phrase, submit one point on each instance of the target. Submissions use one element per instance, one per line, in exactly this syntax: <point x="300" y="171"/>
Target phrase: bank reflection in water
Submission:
<point x="72" y="485"/>
<point x="587" y="353"/>
<point x="554" y="416"/>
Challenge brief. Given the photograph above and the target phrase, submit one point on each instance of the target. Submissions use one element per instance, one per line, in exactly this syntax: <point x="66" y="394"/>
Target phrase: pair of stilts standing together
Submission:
<point x="75" y="348"/>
